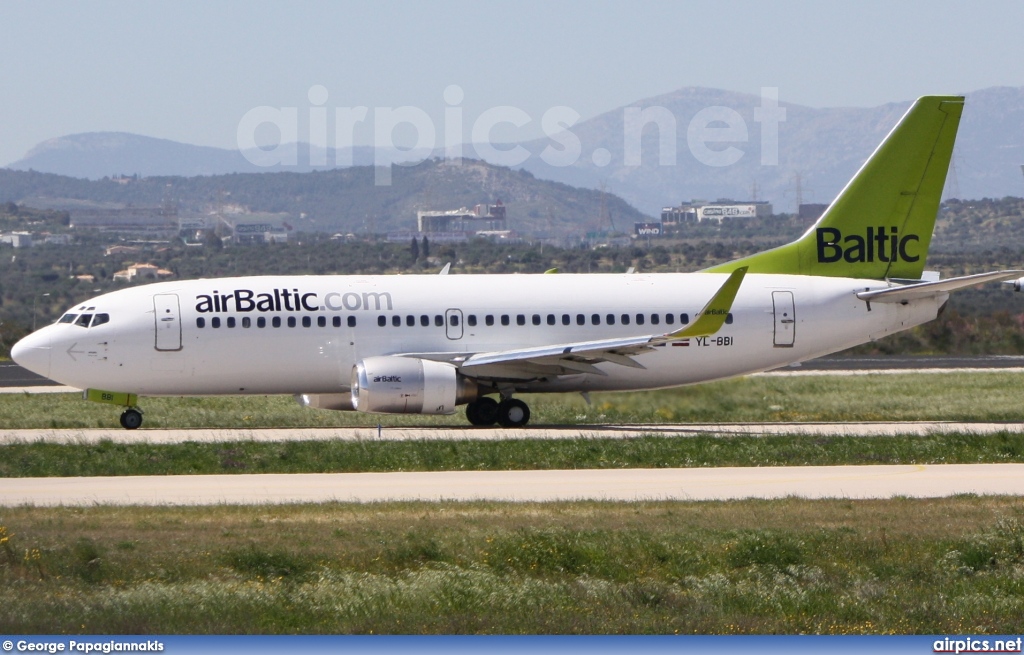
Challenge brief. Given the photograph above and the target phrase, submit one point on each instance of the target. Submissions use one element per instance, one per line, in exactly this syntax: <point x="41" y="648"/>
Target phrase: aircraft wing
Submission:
<point x="582" y="357"/>
<point x="925" y="289"/>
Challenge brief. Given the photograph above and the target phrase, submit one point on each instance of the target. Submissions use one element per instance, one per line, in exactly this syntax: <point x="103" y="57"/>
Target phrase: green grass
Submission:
<point x="108" y="458"/>
<point x="782" y="566"/>
<point x="973" y="397"/>
<point x="941" y="396"/>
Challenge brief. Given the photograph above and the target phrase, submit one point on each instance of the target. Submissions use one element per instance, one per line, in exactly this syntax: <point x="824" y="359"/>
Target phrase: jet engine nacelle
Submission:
<point x="406" y="385"/>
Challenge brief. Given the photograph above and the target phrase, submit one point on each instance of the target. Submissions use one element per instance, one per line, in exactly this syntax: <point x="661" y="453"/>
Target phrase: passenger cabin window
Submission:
<point x="728" y="318"/>
<point x="336" y="321"/>
<point x="684" y="319"/>
<point x="438" y="320"/>
<point x="581" y="319"/>
<point x="670" y="319"/>
<point x="551" y="319"/>
<point x="453" y="320"/>
<point x="595" y="319"/>
<point x="291" y="321"/>
<point x="489" y="319"/>
<point x="321" y="321"/>
<point x="261" y="322"/>
<point x="276" y="321"/>
<point x="625" y="319"/>
<point x="566" y="319"/>
<point x="425" y="320"/>
<point x="410" y="320"/>
<point x="307" y="321"/>
<point x="215" y="322"/>
<point x="471" y="320"/>
<point x="520" y="319"/>
<point x="382" y="321"/>
<point x="505" y="319"/>
<point x="200" y="322"/>
<point x="639" y="319"/>
<point x="351" y="321"/>
<point x="655" y="319"/>
<point x="231" y="321"/>
<point x="246" y="322"/>
<point x="536" y="319"/>
<point x="396" y="321"/>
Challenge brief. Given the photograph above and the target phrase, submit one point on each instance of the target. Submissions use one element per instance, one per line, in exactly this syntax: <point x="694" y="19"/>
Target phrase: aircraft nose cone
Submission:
<point x="33" y="353"/>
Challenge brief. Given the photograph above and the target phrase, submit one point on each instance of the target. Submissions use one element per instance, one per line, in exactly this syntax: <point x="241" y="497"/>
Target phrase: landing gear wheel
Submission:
<point x="513" y="413"/>
<point x="131" y="419"/>
<point x="482" y="412"/>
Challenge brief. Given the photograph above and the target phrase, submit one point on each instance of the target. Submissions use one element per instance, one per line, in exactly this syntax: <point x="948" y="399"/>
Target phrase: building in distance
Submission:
<point x="675" y="219"/>
<point x="458" y="225"/>
<point x="481" y="218"/>
<point x="142" y="272"/>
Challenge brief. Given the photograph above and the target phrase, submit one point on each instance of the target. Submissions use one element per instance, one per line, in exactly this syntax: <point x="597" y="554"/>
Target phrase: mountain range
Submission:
<point x="341" y="200"/>
<point x="818" y="150"/>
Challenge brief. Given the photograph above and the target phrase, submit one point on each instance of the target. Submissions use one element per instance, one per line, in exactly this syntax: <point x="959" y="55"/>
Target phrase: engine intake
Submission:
<point x="406" y="385"/>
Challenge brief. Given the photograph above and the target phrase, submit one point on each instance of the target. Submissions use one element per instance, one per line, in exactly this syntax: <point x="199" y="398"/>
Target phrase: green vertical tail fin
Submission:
<point x="880" y="225"/>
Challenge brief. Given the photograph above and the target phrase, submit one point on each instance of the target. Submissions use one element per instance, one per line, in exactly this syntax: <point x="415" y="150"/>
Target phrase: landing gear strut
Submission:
<point x="131" y="418"/>
<point x="509" y="413"/>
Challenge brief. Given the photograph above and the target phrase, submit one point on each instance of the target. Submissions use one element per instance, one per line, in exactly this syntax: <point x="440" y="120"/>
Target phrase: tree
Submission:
<point x="414" y="249"/>
<point x="426" y="247"/>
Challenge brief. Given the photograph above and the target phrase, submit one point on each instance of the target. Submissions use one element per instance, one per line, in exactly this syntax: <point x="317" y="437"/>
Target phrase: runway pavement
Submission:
<point x="213" y="435"/>
<point x="12" y="375"/>
<point x="619" y="484"/>
<point x="854" y="482"/>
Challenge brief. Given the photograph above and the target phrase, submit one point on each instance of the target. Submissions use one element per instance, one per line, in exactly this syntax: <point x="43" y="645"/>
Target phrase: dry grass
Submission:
<point x="790" y="565"/>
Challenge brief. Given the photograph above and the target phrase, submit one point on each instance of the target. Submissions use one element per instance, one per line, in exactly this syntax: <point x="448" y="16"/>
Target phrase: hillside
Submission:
<point x="347" y="200"/>
<point x="825" y="146"/>
<point x="95" y="155"/>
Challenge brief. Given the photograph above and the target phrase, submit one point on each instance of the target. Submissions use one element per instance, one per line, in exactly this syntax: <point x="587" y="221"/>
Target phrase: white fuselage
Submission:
<point x="153" y="343"/>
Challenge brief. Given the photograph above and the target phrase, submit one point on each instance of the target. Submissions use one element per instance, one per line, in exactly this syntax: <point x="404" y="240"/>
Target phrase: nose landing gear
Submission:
<point x="131" y="418"/>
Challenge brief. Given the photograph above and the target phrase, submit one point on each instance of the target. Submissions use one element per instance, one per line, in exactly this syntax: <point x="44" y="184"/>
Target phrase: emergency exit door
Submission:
<point x="785" y="318"/>
<point x="167" y="317"/>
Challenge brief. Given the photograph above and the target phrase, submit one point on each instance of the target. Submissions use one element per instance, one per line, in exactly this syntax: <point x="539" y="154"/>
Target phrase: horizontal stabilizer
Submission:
<point x="928" y="289"/>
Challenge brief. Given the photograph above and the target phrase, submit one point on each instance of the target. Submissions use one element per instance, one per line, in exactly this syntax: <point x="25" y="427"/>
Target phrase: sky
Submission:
<point x="190" y="70"/>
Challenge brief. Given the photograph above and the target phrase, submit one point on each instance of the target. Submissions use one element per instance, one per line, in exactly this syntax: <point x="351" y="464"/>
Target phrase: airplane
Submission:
<point x="426" y="344"/>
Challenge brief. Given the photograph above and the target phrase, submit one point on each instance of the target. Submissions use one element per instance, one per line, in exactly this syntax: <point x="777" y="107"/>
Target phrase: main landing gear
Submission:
<point x="131" y="418"/>
<point x="509" y="413"/>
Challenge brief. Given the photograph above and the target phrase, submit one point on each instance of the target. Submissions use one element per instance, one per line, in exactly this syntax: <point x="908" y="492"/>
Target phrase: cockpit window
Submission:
<point x="100" y="319"/>
<point x="68" y="318"/>
<point x="83" y="320"/>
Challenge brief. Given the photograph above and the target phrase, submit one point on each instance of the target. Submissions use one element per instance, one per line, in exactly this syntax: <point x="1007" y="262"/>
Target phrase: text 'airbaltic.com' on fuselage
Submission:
<point x="246" y="300"/>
